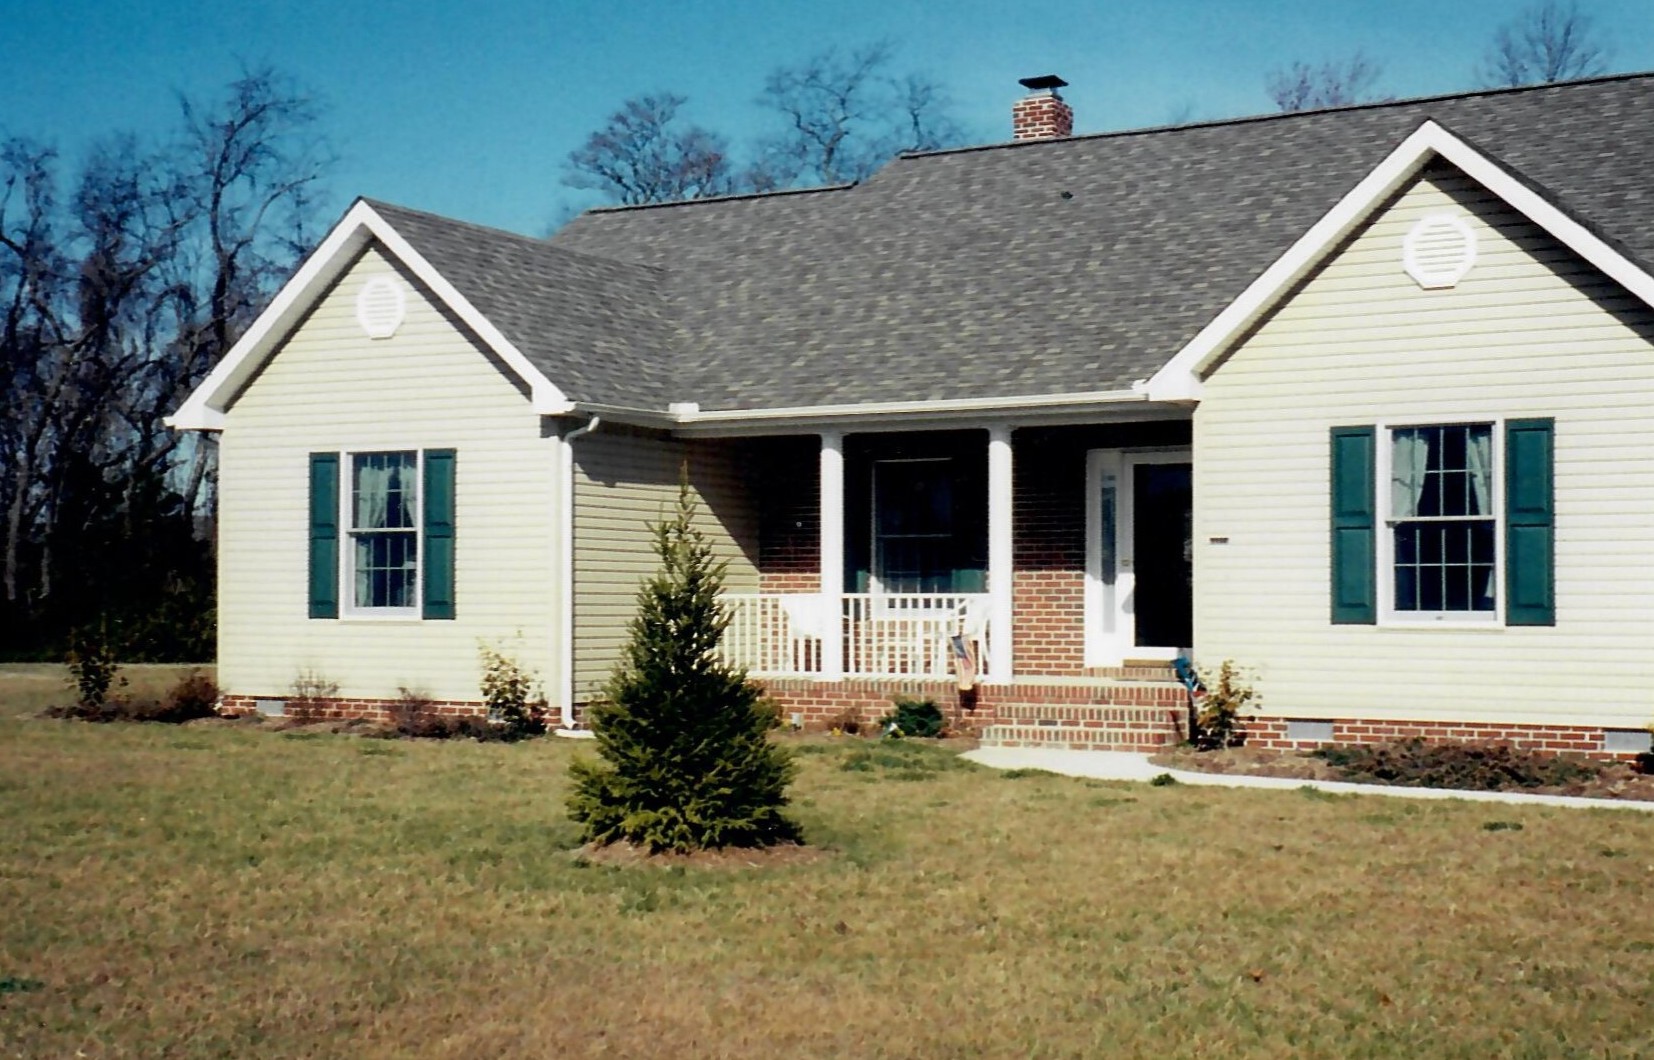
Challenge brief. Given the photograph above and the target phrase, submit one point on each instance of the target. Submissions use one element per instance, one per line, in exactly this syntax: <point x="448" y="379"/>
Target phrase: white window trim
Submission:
<point x="348" y="609"/>
<point x="1388" y="616"/>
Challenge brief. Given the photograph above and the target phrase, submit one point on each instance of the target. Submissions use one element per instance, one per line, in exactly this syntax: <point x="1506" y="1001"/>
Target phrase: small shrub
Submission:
<point x="1465" y="766"/>
<point x="914" y="717"/>
<point x="194" y="696"/>
<point x="1162" y="780"/>
<point x="93" y="665"/>
<point x="310" y="691"/>
<point x="413" y="713"/>
<point x="1215" y="719"/>
<point x="847" y="722"/>
<point x="513" y="697"/>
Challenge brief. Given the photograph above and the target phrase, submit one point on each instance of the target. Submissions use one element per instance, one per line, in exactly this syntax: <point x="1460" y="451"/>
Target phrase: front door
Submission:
<point x="1140" y="576"/>
<point x="1161" y="544"/>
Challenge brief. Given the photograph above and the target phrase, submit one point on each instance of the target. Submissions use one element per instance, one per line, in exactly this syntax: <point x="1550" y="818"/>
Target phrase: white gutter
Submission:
<point x="689" y="414"/>
<point x="565" y="567"/>
<point x="688" y="418"/>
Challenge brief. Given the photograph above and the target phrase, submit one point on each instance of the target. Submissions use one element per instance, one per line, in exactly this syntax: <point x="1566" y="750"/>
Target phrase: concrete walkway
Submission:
<point x="1125" y="765"/>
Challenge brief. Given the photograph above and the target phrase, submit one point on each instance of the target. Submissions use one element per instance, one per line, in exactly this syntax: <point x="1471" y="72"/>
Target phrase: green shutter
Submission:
<point x="1354" y="587"/>
<point x="324" y="535"/>
<point x="438" y="598"/>
<point x="1530" y="523"/>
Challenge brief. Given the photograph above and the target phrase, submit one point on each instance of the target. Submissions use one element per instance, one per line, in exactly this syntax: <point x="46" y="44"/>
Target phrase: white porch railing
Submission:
<point x="882" y="634"/>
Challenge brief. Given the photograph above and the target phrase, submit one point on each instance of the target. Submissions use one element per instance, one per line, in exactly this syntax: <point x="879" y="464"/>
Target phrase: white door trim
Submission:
<point x="1110" y="611"/>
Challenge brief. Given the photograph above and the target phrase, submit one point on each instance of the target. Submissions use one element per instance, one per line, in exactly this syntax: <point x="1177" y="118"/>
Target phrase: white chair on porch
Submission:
<point x="809" y="623"/>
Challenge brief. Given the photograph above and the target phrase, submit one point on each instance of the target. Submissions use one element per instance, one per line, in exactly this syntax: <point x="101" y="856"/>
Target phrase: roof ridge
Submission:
<point x="536" y="243"/>
<point x="1249" y="119"/>
<point x="734" y="197"/>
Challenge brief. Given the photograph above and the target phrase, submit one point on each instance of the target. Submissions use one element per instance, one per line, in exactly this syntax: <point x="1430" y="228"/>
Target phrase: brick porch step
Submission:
<point x="1081" y="738"/>
<point x="1097" y="715"/>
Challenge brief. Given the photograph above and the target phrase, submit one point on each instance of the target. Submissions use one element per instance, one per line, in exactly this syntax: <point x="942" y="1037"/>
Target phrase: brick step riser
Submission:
<point x="1112" y="738"/>
<point x="1089" y="715"/>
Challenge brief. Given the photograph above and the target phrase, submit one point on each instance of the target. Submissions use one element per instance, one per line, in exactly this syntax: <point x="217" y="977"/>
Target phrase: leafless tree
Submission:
<point x="1334" y="83"/>
<point x="645" y="153"/>
<point x="1549" y="41"/>
<point x="844" y="114"/>
<point x="118" y="299"/>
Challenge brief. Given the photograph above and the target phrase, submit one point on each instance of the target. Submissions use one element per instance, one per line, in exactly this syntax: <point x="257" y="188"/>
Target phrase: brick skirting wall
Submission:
<point x="345" y="709"/>
<point x="825" y="704"/>
<point x="1270" y="733"/>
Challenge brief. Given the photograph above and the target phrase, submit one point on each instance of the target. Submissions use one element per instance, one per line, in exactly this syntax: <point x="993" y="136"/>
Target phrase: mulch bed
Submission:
<point x="1618" y="780"/>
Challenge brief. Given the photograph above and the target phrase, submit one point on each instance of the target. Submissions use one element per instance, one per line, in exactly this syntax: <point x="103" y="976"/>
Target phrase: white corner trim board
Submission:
<point x="361" y="224"/>
<point x="1180" y="378"/>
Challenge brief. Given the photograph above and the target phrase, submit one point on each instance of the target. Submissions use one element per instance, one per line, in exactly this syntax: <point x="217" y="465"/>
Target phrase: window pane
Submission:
<point x="384" y="487"/>
<point x="914" y="497"/>
<point x="1407" y="588"/>
<point x="1482" y="570"/>
<point x="1445" y="566"/>
<point x="913" y="548"/>
<point x="386" y="566"/>
<point x="1441" y="471"/>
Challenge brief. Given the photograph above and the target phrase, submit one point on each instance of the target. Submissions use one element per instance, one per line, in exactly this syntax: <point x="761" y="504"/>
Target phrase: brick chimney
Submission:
<point x="1042" y="114"/>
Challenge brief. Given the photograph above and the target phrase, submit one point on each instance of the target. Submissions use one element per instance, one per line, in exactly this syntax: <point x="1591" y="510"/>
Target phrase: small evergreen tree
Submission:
<point x="687" y="763"/>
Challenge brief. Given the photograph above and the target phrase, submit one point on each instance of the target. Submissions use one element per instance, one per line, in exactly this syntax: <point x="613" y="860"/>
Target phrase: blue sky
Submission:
<point x="469" y="108"/>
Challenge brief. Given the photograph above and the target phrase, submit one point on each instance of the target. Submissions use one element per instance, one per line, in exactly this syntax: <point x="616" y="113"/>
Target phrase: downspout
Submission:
<point x="565" y="538"/>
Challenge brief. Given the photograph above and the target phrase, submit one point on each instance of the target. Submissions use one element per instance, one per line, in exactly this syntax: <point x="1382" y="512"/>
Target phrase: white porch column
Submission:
<point x="832" y="553"/>
<point x="999" y="554"/>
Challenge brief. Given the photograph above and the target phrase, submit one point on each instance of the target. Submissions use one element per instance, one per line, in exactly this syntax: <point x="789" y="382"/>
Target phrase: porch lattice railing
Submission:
<point x="880" y="634"/>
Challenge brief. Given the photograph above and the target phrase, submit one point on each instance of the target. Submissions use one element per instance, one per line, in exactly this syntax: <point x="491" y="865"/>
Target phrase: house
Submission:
<point x="1362" y="399"/>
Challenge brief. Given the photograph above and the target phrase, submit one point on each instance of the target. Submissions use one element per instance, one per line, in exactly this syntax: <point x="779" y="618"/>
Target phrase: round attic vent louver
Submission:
<point x="1439" y="250"/>
<point x="380" y="307"/>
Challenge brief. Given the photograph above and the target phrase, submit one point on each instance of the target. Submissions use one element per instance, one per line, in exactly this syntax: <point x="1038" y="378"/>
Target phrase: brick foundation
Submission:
<point x="346" y="709"/>
<point x="824" y="705"/>
<point x="1270" y="733"/>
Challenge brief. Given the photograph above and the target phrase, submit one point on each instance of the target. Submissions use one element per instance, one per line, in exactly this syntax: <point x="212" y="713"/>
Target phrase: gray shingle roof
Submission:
<point x="593" y="325"/>
<point x="1021" y="269"/>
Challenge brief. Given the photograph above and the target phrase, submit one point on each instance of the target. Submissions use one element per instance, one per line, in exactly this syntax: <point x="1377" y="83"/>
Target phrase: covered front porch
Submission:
<point x="992" y="555"/>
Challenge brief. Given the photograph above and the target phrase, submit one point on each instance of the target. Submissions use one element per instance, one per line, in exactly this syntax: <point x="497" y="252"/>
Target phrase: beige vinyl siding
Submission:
<point x="1531" y="331"/>
<point x="329" y="387"/>
<point x="624" y="480"/>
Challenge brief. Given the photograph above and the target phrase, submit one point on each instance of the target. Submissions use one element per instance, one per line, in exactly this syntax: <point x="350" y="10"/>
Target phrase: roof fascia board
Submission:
<point x="1180" y="379"/>
<point x="204" y="408"/>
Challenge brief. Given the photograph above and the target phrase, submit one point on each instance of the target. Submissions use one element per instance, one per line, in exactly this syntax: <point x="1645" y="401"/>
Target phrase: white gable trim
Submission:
<point x="204" y="409"/>
<point x="1180" y="379"/>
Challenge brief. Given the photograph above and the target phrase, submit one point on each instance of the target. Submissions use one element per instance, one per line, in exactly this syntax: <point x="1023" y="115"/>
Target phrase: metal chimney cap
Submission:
<point x="1040" y="84"/>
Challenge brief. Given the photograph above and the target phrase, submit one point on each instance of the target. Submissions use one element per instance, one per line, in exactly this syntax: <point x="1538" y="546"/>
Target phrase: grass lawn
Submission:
<point x="213" y="891"/>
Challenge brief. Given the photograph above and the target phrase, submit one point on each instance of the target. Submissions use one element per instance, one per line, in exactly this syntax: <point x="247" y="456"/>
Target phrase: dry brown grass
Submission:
<point x="233" y="892"/>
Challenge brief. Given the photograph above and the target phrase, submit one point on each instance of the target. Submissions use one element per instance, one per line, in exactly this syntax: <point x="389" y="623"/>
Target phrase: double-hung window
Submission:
<point x="1443" y="523"/>
<point x="382" y="534"/>
<point x="913" y="546"/>
<point x="383" y="552"/>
